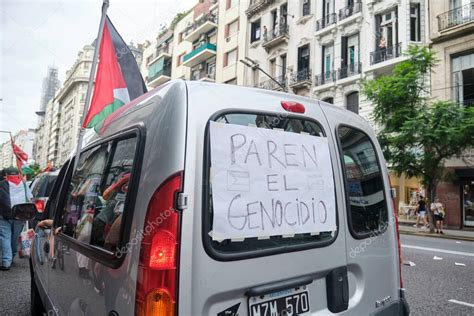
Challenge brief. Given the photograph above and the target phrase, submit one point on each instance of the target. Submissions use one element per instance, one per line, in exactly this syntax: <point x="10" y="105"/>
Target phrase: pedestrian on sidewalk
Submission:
<point x="13" y="191"/>
<point x="438" y="211"/>
<point x="421" y="211"/>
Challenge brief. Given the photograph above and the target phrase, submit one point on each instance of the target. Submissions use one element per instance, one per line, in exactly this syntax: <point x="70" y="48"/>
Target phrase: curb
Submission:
<point x="436" y="235"/>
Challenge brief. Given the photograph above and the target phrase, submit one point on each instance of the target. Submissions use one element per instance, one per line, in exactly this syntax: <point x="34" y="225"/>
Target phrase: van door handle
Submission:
<point x="279" y="286"/>
<point x="337" y="290"/>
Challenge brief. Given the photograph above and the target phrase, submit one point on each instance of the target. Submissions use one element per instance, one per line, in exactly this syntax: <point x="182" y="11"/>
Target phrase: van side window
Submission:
<point x="97" y="193"/>
<point x="367" y="206"/>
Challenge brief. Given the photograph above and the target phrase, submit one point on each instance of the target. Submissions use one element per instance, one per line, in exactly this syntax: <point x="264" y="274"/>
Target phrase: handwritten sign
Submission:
<point x="269" y="183"/>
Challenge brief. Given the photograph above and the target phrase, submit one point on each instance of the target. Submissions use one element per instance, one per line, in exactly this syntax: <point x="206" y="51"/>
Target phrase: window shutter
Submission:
<point x="227" y="5"/>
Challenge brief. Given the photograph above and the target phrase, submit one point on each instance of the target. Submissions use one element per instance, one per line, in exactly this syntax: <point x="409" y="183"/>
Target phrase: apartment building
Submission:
<point x="70" y="105"/>
<point x="232" y="27"/>
<point x="156" y="65"/>
<point x="23" y="139"/>
<point x="324" y="48"/>
<point x="452" y="38"/>
<point x="47" y="141"/>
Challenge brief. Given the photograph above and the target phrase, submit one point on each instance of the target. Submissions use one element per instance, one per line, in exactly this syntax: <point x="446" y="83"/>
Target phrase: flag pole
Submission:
<point x="105" y="6"/>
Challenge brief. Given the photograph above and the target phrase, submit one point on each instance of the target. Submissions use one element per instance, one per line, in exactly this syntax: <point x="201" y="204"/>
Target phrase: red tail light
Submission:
<point x="157" y="288"/>
<point x="294" y="107"/>
<point x="40" y="204"/>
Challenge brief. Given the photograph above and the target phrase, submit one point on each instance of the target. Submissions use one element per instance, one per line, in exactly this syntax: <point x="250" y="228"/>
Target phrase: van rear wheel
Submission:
<point x="36" y="305"/>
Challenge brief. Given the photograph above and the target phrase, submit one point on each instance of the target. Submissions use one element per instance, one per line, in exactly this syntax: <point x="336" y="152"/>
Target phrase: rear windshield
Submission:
<point x="259" y="198"/>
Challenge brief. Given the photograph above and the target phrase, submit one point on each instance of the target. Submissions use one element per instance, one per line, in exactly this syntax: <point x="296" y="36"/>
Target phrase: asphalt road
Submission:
<point x="442" y="280"/>
<point x="433" y="287"/>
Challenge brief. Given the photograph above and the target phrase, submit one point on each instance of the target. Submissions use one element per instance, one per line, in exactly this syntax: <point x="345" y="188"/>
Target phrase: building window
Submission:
<point x="463" y="79"/>
<point x="255" y="73"/>
<point x="272" y="68"/>
<point x="232" y="28"/>
<point x="180" y="37"/>
<point x="255" y="31"/>
<point x="303" y="58"/>
<point x="352" y="102"/>
<point x="329" y="100"/>
<point x="327" y="62"/>
<point x="306" y="7"/>
<point x="350" y="56"/>
<point x="387" y="30"/>
<point x="283" y="66"/>
<point x="415" y="24"/>
<point x="230" y="58"/>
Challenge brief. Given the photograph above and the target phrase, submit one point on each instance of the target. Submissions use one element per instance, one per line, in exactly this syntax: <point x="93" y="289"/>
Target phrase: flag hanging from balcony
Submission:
<point x="118" y="78"/>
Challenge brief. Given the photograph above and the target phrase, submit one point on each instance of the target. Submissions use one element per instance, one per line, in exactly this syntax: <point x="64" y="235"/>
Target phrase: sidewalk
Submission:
<point x="448" y="233"/>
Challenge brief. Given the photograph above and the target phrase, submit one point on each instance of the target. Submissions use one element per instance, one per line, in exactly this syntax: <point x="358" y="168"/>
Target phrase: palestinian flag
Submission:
<point x="20" y="156"/>
<point x="118" y="78"/>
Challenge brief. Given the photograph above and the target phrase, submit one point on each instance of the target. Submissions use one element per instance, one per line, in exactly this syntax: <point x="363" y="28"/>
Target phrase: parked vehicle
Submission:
<point x="206" y="199"/>
<point x="41" y="188"/>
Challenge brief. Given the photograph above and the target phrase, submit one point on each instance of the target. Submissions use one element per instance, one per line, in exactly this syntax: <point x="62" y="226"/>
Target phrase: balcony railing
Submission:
<point x="325" y="77"/>
<point x="455" y="17"/>
<point x="349" y="70"/>
<point x="350" y="10"/>
<point x="326" y="21"/>
<point x="272" y="85"/>
<point x="164" y="72"/>
<point x="207" y="18"/>
<point x="381" y="55"/>
<point x="281" y="30"/>
<point x="200" y="49"/>
<point x="300" y="77"/>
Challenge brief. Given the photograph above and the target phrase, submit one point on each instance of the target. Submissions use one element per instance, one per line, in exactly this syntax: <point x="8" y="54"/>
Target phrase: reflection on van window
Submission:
<point x="96" y="197"/>
<point x="364" y="182"/>
<point x="287" y="124"/>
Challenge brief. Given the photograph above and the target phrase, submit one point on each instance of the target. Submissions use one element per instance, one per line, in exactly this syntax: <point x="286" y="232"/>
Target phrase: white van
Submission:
<point x="207" y="199"/>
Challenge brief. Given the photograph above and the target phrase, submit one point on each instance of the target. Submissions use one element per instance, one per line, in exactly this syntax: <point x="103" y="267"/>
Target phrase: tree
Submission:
<point x="418" y="136"/>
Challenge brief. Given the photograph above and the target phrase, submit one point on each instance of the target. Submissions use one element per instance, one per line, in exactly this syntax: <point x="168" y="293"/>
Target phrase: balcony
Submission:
<point x="257" y="6"/>
<point x="160" y="77"/>
<point x="350" y="10"/>
<point x="349" y="70"/>
<point x="272" y="85"/>
<point x="324" y="78"/>
<point x="301" y="78"/>
<point x="201" y="26"/>
<point x="381" y="55"/>
<point x="326" y="21"/>
<point x="275" y="37"/>
<point x="458" y="16"/>
<point x="203" y="76"/>
<point x="200" y="54"/>
<point x="165" y="52"/>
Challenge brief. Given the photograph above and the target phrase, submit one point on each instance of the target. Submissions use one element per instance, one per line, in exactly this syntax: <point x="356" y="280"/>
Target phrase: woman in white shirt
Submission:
<point x="438" y="211"/>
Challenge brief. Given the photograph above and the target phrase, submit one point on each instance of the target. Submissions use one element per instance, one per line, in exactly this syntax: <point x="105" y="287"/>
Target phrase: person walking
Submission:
<point x="421" y="211"/>
<point x="13" y="191"/>
<point x="438" y="212"/>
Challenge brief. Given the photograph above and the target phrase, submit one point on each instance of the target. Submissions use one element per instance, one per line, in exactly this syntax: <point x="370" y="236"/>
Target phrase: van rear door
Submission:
<point x="373" y="261"/>
<point x="264" y="229"/>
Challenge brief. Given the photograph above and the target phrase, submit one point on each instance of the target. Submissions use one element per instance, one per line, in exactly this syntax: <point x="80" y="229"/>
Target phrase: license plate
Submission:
<point x="287" y="302"/>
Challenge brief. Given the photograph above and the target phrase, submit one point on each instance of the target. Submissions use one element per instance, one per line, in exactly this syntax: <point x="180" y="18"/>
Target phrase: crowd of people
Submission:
<point x="13" y="191"/>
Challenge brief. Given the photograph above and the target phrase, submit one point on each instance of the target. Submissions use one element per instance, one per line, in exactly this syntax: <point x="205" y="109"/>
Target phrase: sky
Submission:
<point x="38" y="33"/>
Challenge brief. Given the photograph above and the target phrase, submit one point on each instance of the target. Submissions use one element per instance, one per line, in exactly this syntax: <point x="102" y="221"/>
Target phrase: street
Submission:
<point x="438" y="286"/>
<point x="433" y="286"/>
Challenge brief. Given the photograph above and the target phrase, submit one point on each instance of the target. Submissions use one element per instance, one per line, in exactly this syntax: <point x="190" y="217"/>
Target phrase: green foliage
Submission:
<point x="178" y="18"/>
<point x="418" y="136"/>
